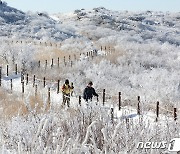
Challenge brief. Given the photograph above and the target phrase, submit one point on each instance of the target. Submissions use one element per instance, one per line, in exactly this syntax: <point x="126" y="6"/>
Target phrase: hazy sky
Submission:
<point x="55" y="6"/>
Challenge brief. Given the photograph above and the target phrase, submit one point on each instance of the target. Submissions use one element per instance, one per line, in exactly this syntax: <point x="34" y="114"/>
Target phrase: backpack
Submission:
<point x="84" y="93"/>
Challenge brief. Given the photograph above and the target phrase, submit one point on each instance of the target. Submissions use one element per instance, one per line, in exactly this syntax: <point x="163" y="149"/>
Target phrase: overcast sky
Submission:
<point x="55" y="6"/>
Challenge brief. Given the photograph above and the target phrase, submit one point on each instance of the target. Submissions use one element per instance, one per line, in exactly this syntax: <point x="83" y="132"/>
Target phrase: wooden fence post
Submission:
<point x="0" y="74"/>
<point x="16" y="69"/>
<point x="58" y="60"/>
<point x="64" y="61"/>
<point x="58" y="87"/>
<point x="31" y="67"/>
<point x="112" y="115"/>
<point x="22" y="77"/>
<point x="127" y="123"/>
<point x="101" y="48"/>
<point x="157" y="111"/>
<point x="103" y="96"/>
<point x="23" y="87"/>
<point x="72" y="86"/>
<point x="39" y="63"/>
<point x="119" y="101"/>
<point x="34" y="78"/>
<point x="138" y="107"/>
<point x="7" y="70"/>
<point x="105" y="48"/>
<point x="71" y="63"/>
<point x="27" y="79"/>
<point x="44" y="81"/>
<point x="69" y="58"/>
<point x="46" y="64"/>
<point x="175" y="114"/>
<point x="11" y="85"/>
<point x="80" y="100"/>
<point x="49" y="95"/>
<point x="52" y="63"/>
<point x="35" y="90"/>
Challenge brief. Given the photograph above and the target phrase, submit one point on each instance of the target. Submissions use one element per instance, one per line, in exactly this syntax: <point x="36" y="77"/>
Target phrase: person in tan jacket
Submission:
<point x="66" y="91"/>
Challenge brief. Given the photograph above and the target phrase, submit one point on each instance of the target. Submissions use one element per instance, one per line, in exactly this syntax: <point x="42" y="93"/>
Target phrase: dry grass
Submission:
<point x="50" y="53"/>
<point x="12" y="105"/>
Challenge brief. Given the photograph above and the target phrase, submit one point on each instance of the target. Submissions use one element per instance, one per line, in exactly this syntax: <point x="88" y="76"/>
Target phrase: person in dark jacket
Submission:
<point x="89" y="91"/>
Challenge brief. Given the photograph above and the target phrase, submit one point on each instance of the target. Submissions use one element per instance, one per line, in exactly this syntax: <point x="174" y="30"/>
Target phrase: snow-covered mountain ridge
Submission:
<point x="134" y="26"/>
<point x="18" y="24"/>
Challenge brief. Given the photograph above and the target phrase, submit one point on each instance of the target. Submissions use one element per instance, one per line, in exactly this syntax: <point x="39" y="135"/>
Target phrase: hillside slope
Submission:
<point x="132" y="26"/>
<point x="17" y="24"/>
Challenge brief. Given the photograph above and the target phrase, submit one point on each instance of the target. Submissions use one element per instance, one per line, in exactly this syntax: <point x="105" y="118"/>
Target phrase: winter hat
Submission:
<point x="90" y="83"/>
<point x="66" y="81"/>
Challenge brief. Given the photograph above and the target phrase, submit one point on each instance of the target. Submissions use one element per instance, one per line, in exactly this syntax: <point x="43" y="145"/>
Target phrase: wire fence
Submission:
<point x="55" y="85"/>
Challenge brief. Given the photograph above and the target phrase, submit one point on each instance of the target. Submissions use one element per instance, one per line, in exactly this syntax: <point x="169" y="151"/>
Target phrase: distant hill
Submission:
<point x="17" y="24"/>
<point x="131" y="26"/>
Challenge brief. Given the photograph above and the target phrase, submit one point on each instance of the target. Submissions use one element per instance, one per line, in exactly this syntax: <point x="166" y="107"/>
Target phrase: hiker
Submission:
<point x="66" y="90"/>
<point x="89" y="91"/>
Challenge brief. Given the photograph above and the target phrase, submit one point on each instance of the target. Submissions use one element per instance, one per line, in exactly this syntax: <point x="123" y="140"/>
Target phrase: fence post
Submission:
<point x="34" y="78"/>
<point x="16" y="69"/>
<point x="49" y="94"/>
<point x="101" y="48"/>
<point x="175" y="114"/>
<point x="22" y="77"/>
<point x="52" y="63"/>
<point x="64" y="60"/>
<point x="58" y="60"/>
<point x="157" y="111"/>
<point x="71" y="63"/>
<point x="31" y="67"/>
<point x="27" y="79"/>
<point x="72" y="86"/>
<point x="69" y="58"/>
<point x="0" y="74"/>
<point x="58" y="87"/>
<point x="39" y="63"/>
<point x="35" y="90"/>
<point x="105" y="48"/>
<point x="127" y="123"/>
<point x="11" y="85"/>
<point x="112" y="115"/>
<point x="23" y="87"/>
<point x="80" y="100"/>
<point x="103" y="96"/>
<point x="7" y="70"/>
<point x="119" y="101"/>
<point x="138" y="107"/>
<point x="46" y="64"/>
<point x="44" y="81"/>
